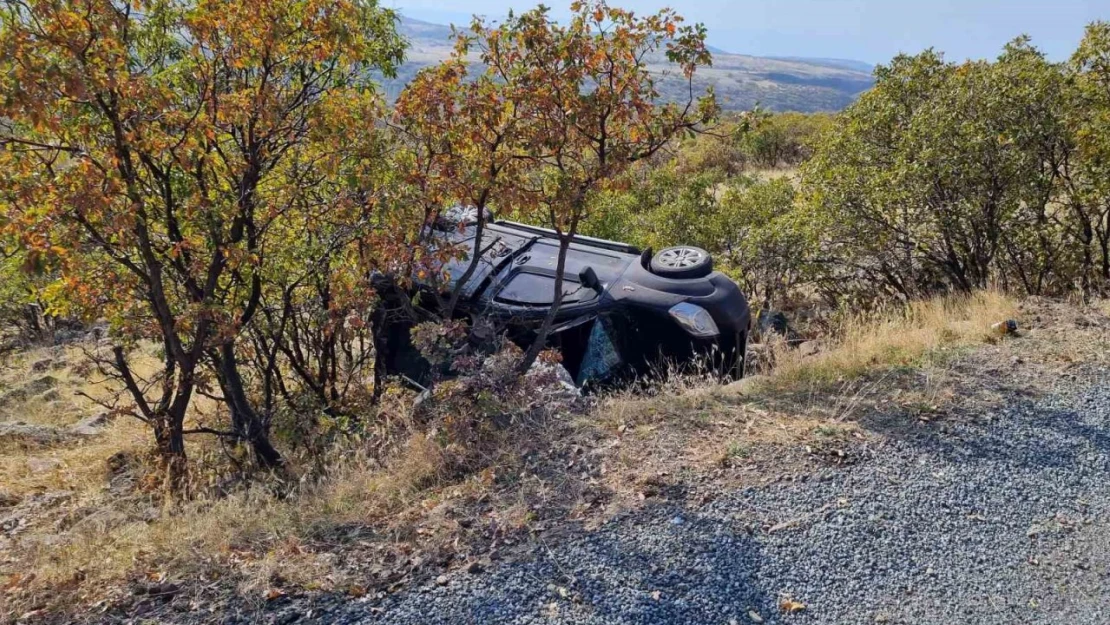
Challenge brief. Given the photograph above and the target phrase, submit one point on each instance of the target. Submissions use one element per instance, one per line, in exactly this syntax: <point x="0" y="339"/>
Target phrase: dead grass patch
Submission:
<point x="369" y="523"/>
<point x="890" y="361"/>
<point x="901" y="337"/>
<point x="260" y="541"/>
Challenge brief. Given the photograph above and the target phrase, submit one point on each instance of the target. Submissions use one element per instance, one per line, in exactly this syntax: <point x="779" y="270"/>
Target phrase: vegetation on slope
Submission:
<point x="223" y="201"/>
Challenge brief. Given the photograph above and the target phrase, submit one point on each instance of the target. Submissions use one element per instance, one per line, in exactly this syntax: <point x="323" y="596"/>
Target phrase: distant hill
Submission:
<point x="858" y="66"/>
<point x="741" y="81"/>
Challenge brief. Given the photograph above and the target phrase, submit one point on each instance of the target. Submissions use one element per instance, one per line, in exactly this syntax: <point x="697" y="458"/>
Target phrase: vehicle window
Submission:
<point x="602" y="358"/>
<point x="536" y="289"/>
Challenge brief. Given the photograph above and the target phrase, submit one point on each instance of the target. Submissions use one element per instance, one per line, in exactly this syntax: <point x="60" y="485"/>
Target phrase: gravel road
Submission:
<point x="1002" y="518"/>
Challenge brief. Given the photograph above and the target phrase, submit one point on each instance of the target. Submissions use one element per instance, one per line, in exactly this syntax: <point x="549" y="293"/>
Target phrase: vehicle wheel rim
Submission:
<point x="681" y="257"/>
<point x="463" y="214"/>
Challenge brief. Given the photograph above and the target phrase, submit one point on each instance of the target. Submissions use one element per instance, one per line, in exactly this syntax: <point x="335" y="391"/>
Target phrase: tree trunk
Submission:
<point x="170" y="441"/>
<point x="381" y="346"/>
<point x="245" y="421"/>
<point x="549" y="320"/>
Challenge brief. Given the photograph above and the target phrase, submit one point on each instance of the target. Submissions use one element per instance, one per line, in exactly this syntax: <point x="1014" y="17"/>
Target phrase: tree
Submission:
<point x="784" y="138"/>
<point x="1088" y="176"/>
<point x="465" y="135"/>
<point x="944" y="176"/>
<point x="146" y="156"/>
<point x="587" y="104"/>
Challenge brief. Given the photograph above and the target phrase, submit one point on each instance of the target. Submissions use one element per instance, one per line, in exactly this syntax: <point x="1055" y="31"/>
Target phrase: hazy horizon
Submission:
<point x="872" y="31"/>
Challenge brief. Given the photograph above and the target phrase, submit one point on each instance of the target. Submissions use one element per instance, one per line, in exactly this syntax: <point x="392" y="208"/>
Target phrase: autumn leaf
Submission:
<point x="790" y="606"/>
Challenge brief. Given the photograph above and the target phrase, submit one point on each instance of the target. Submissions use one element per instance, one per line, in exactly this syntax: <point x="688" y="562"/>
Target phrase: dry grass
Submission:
<point x="86" y="536"/>
<point x="901" y="337"/>
<point x="889" y="360"/>
<point x="254" y="539"/>
<point x="415" y="501"/>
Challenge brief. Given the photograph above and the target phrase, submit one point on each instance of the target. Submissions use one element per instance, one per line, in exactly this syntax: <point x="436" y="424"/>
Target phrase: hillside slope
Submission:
<point x="741" y="81"/>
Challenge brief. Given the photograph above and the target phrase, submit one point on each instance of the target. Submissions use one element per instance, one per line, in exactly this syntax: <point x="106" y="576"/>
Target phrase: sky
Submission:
<point x="863" y="30"/>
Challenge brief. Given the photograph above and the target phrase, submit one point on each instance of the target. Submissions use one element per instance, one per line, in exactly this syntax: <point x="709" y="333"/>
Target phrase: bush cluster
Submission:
<point x="943" y="177"/>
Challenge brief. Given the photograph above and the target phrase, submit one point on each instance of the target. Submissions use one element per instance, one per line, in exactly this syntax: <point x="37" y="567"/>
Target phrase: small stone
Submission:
<point x="809" y="348"/>
<point x="41" y="366"/>
<point x="474" y="567"/>
<point x="441" y="580"/>
<point x="754" y="616"/>
<point x="91" y="426"/>
<point x="42" y="465"/>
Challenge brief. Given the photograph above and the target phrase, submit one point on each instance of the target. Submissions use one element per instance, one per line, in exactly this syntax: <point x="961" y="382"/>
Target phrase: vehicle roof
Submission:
<point x="616" y="246"/>
<point x="518" y="266"/>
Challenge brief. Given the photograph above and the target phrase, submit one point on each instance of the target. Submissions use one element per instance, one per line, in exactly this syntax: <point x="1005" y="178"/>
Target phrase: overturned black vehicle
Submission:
<point x="625" y="313"/>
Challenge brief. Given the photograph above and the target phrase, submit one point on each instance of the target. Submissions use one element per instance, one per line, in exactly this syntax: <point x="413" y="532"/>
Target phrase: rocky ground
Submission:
<point x="997" y="510"/>
<point x="990" y="506"/>
<point x="1002" y="519"/>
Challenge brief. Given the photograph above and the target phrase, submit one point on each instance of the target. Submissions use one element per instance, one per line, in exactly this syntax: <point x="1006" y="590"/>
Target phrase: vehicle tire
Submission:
<point x="683" y="261"/>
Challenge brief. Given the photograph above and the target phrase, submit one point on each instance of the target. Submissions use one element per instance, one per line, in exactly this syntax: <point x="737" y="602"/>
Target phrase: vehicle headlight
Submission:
<point x="694" y="319"/>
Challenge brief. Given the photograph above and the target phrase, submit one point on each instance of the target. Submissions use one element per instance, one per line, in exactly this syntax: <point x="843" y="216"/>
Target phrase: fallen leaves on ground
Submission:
<point x="790" y="606"/>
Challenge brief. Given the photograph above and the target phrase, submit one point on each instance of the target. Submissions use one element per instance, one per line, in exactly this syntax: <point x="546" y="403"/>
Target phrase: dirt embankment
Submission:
<point x="81" y="527"/>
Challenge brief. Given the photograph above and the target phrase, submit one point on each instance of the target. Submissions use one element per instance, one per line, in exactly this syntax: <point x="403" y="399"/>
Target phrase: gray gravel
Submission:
<point x="1003" y="519"/>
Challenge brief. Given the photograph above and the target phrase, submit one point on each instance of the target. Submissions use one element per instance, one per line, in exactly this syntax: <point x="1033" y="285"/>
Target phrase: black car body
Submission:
<point x="624" y="313"/>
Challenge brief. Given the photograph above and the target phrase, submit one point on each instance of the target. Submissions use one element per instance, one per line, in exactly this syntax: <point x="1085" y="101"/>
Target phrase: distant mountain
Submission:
<point x="741" y="81"/>
<point x="858" y="66"/>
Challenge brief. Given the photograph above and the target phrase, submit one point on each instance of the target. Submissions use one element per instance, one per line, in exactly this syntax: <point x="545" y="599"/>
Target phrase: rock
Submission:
<point x="754" y="616"/>
<point x="51" y="395"/>
<point x="68" y="335"/>
<point x="809" y="348"/>
<point x="43" y="465"/>
<point x="98" y="331"/>
<point x="31" y="433"/>
<point x="746" y="384"/>
<point x="557" y="372"/>
<point x="474" y="567"/>
<point x="290" y="616"/>
<point x="422" y="401"/>
<point x="118" y="462"/>
<point x="41" y="366"/>
<point x="441" y="580"/>
<point x="13" y="396"/>
<point x="91" y="426"/>
<point x="40" y="385"/>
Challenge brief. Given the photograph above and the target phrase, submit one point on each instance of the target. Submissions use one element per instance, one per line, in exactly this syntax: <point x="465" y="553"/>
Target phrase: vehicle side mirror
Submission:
<point x="589" y="278"/>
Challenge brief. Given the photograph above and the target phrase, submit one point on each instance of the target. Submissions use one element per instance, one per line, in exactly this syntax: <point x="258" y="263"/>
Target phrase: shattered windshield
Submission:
<point x="602" y="358"/>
